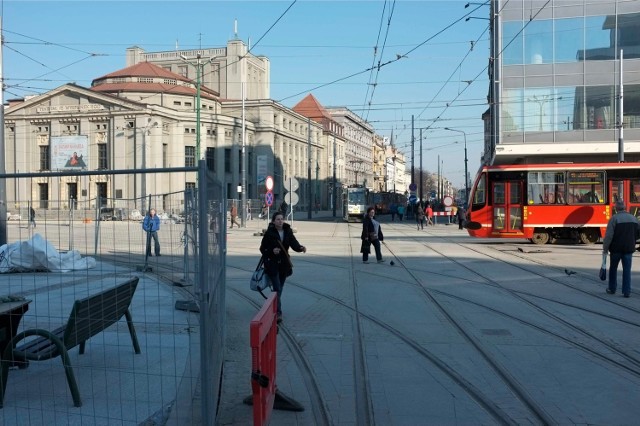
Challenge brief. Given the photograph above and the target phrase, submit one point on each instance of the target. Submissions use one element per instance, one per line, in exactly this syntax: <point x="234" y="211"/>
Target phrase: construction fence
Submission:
<point x="177" y="308"/>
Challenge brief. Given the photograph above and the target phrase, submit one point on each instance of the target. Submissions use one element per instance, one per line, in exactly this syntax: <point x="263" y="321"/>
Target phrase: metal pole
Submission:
<point x="3" y="183"/>
<point x="621" y="130"/>
<point x="143" y="178"/>
<point x="198" y="109"/>
<point x="421" y="164"/>
<point x="309" y="167"/>
<point x="243" y="216"/>
<point x="135" y="164"/>
<point x="413" y="141"/>
<point x="335" y="190"/>
<point x="621" y="115"/>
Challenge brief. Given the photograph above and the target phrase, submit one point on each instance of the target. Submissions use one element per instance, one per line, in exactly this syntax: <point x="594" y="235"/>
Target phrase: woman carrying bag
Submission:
<point x="371" y="235"/>
<point x="275" y="251"/>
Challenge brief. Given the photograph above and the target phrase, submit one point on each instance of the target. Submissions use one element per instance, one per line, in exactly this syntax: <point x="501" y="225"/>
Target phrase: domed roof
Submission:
<point x="149" y="78"/>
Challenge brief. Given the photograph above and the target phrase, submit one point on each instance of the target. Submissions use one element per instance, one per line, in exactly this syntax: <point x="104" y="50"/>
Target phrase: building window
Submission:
<point x="210" y="157"/>
<point x="190" y="186"/>
<point x="43" y="195"/>
<point x="240" y="156"/>
<point x="189" y="156"/>
<point x="164" y="155"/>
<point x="227" y="160"/>
<point x="102" y="156"/>
<point x="45" y="163"/>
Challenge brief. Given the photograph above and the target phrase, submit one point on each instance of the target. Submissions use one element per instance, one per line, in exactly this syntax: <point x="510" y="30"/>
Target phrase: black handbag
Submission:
<point x="259" y="279"/>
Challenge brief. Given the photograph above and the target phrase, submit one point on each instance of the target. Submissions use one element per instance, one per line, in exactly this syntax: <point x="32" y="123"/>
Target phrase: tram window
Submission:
<point x="634" y="197"/>
<point x="585" y="187"/>
<point x="479" y="195"/>
<point x="545" y="188"/>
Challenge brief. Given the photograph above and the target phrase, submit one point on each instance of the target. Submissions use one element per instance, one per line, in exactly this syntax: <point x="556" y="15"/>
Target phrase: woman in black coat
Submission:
<point x="371" y="235"/>
<point x="275" y="250"/>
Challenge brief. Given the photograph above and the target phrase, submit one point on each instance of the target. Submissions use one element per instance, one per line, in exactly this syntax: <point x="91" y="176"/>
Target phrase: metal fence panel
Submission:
<point x="181" y="349"/>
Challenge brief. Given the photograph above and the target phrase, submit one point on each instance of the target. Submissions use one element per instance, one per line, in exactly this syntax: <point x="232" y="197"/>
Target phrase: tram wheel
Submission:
<point x="540" y="238"/>
<point x="589" y="236"/>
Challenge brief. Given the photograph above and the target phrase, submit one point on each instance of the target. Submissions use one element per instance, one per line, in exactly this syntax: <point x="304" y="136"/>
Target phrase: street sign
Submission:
<point x="448" y="201"/>
<point x="413" y="187"/>
<point x="291" y="198"/>
<point x="269" y="183"/>
<point x="268" y="198"/>
<point x="413" y="199"/>
<point x="291" y="184"/>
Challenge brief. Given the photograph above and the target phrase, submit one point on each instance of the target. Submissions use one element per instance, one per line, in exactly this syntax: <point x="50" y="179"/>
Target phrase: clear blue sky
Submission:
<point x="319" y="47"/>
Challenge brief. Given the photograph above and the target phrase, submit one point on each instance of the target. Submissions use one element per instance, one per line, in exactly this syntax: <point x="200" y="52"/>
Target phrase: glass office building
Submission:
<point x="557" y="79"/>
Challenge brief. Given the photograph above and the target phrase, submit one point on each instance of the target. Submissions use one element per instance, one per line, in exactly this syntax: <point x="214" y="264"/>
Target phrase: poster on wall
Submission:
<point x="69" y="152"/>
<point x="261" y="169"/>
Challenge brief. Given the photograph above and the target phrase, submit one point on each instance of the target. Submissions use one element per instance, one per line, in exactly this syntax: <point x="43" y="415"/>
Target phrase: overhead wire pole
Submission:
<point x="421" y="164"/>
<point x="466" y="177"/>
<point x="621" y="130"/>
<point x="308" y="168"/>
<point x="243" y="216"/>
<point x="413" y="142"/>
<point x="335" y="190"/>
<point x="3" y="184"/>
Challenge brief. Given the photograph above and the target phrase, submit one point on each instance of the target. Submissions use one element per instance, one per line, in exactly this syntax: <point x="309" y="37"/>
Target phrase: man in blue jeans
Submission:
<point x="620" y="243"/>
<point x="151" y="224"/>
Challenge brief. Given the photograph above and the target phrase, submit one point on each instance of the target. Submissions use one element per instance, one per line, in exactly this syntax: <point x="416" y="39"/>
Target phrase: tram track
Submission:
<point x="625" y="355"/>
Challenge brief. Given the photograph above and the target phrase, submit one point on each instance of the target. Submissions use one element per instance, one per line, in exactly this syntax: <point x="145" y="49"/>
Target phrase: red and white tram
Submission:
<point x="544" y="202"/>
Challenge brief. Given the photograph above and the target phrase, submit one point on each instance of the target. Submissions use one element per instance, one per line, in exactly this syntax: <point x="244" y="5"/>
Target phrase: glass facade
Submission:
<point x="561" y="74"/>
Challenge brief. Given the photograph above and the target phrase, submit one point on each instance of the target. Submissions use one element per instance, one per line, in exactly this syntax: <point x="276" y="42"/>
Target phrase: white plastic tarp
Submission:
<point x="37" y="254"/>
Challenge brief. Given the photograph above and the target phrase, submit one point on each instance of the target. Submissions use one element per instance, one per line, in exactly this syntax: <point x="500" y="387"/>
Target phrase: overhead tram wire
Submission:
<point x="391" y="61"/>
<point x="373" y="85"/>
<point x="531" y="19"/>
<point x="474" y="43"/>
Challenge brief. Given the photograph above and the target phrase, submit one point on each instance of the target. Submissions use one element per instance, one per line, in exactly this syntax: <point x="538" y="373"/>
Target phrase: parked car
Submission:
<point x="108" y="213"/>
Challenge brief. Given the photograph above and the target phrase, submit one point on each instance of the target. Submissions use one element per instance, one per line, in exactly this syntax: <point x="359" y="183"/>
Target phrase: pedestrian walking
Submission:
<point x="393" y="208"/>
<point x="277" y="240"/>
<point x="32" y="217"/>
<point x="263" y="211"/>
<point x="249" y="210"/>
<point x="619" y="241"/>
<point x="371" y="235"/>
<point x="419" y="218"/>
<point x="429" y="213"/>
<point x="462" y="215"/>
<point x="400" y="212"/>
<point x="151" y="224"/>
<point x="233" y="212"/>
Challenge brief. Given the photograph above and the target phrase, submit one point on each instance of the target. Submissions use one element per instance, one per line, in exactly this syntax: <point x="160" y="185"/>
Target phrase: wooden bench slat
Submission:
<point x="89" y="316"/>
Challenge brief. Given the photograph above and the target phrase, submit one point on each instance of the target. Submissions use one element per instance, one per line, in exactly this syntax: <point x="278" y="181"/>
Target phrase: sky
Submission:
<point x="385" y="60"/>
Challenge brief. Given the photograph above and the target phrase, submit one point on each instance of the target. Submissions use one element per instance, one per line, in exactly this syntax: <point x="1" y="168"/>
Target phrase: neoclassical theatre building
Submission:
<point x="145" y="117"/>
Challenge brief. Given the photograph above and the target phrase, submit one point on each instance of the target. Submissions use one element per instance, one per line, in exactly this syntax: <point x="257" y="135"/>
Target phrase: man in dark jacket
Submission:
<point x="275" y="249"/>
<point x="620" y="243"/>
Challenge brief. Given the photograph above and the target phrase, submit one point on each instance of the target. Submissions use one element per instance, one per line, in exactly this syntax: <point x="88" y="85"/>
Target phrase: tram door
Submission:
<point x="631" y="195"/>
<point x="507" y="207"/>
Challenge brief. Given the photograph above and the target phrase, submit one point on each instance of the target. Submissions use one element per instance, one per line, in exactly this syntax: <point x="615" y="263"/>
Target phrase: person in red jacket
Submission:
<point x="429" y="212"/>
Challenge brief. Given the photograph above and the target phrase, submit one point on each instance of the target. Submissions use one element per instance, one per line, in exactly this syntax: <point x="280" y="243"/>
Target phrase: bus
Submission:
<point x="547" y="202"/>
<point x="355" y="200"/>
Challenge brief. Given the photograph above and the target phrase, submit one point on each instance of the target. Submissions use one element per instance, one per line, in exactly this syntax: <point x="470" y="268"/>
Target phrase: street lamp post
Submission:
<point x="198" y="64"/>
<point x="466" y="179"/>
